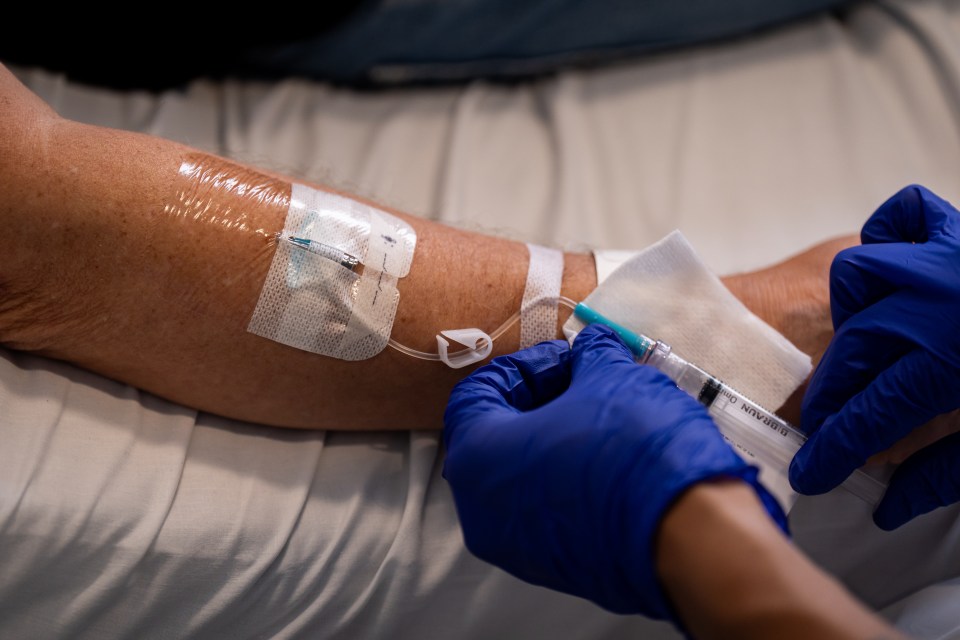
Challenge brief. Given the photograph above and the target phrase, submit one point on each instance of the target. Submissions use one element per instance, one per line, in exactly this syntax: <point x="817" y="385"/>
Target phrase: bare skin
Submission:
<point x="117" y="263"/>
<point x="119" y="260"/>
<point x="793" y="296"/>
<point x="732" y="574"/>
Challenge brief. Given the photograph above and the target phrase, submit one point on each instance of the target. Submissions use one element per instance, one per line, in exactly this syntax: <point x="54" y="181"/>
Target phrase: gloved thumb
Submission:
<point x="926" y="480"/>
<point x="509" y="385"/>
<point x="599" y="349"/>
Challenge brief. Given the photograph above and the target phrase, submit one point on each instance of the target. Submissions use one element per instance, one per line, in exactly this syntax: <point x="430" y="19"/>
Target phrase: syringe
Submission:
<point x="759" y="435"/>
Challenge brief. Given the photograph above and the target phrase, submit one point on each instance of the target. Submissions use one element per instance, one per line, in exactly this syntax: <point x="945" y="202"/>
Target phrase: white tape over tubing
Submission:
<point x="312" y="302"/>
<point x="538" y="311"/>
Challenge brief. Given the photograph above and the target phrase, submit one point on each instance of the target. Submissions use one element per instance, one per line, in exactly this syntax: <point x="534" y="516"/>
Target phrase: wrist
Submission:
<point x="793" y="296"/>
<point x="711" y="542"/>
<point x="730" y="572"/>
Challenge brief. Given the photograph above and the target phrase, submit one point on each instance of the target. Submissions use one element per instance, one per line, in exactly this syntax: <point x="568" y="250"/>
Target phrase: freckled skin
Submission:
<point x="142" y="259"/>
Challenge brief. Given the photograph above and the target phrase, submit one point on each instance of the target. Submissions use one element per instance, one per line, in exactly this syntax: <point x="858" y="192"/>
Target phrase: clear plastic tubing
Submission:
<point x="499" y="331"/>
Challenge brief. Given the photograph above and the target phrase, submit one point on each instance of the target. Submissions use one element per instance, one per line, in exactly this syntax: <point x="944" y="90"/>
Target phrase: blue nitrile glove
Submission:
<point x="563" y="462"/>
<point x="894" y="362"/>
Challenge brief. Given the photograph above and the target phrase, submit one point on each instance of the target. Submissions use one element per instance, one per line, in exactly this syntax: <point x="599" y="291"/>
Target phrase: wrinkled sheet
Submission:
<point x="122" y="515"/>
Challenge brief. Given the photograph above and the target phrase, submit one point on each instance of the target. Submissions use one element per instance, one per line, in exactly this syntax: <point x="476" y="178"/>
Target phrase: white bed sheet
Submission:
<point x="122" y="515"/>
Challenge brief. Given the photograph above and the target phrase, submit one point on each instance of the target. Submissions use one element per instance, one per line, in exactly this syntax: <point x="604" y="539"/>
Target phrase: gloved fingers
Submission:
<point x="604" y="364"/>
<point x="598" y="350"/>
<point x="510" y="385"/>
<point x="487" y="436"/>
<point x="862" y="276"/>
<point x="866" y="344"/>
<point x="928" y="479"/>
<point x="901" y="398"/>
<point x="913" y="214"/>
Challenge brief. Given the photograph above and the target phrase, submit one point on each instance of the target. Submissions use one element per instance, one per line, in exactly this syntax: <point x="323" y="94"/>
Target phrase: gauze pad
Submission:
<point x="667" y="293"/>
<point x="313" y="298"/>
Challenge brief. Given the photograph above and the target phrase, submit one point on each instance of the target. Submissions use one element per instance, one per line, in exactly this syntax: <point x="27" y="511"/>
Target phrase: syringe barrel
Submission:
<point x="759" y="435"/>
<point x="688" y="377"/>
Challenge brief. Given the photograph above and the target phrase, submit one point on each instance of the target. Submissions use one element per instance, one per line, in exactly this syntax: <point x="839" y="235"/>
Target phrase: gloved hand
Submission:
<point x="894" y="362"/>
<point x="563" y="462"/>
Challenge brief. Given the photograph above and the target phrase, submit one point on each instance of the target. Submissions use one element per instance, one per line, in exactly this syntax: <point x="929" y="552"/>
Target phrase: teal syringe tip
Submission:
<point x="637" y="343"/>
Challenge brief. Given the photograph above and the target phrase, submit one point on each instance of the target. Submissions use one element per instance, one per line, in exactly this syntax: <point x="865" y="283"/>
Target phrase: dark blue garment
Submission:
<point x="394" y="41"/>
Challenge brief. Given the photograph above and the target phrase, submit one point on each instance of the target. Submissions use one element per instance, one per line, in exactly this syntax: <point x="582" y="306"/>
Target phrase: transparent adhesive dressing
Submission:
<point x="758" y="435"/>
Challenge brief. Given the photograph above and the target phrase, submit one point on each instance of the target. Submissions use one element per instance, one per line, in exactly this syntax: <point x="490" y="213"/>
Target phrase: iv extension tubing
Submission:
<point x="499" y="331"/>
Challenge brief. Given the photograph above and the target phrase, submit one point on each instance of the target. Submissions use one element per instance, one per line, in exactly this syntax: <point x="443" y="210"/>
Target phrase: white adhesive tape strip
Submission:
<point x="538" y="311"/>
<point x="313" y="298"/>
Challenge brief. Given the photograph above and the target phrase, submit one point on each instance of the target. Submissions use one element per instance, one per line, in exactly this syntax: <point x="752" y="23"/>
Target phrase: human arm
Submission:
<point x="731" y="573"/>
<point x="584" y="472"/>
<point x="115" y="262"/>
<point x="106" y="266"/>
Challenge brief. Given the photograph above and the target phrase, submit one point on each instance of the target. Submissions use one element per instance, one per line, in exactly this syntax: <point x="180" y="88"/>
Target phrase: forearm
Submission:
<point x="117" y="262"/>
<point x="732" y="574"/>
